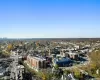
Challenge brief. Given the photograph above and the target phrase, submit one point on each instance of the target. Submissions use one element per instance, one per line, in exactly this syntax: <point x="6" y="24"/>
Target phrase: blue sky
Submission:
<point x="49" y="18"/>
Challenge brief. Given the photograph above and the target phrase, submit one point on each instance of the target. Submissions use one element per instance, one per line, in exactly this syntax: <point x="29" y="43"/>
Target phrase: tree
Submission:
<point x="77" y="73"/>
<point x="43" y="77"/>
<point x="56" y="66"/>
<point x="9" y="47"/>
<point x="95" y="57"/>
<point x="67" y="72"/>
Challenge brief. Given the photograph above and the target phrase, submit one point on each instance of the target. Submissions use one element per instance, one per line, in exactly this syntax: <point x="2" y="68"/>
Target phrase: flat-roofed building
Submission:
<point x="36" y="62"/>
<point x="62" y="62"/>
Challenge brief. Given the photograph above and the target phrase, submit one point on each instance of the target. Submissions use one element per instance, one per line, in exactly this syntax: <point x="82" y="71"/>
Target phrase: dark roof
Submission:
<point x="63" y="60"/>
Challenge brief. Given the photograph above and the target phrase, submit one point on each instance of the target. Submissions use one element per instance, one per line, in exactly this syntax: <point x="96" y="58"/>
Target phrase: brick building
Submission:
<point x="36" y="63"/>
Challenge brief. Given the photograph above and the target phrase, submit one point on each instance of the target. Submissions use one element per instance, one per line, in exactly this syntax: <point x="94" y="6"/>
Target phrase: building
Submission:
<point x="36" y="62"/>
<point x="62" y="62"/>
<point x="73" y="55"/>
<point x="64" y="53"/>
<point x="2" y="71"/>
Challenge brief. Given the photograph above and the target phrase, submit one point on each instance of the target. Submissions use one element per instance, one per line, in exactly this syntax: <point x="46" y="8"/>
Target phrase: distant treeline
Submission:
<point x="65" y="39"/>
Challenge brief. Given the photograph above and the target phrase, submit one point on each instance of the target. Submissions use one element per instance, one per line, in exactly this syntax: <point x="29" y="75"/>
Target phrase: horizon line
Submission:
<point x="53" y="38"/>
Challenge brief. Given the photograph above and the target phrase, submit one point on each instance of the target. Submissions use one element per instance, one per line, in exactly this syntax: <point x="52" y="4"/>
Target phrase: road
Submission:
<point x="4" y="59"/>
<point x="16" y="73"/>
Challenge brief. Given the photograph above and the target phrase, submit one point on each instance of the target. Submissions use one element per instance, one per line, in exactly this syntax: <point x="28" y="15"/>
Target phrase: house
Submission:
<point x="76" y="47"/>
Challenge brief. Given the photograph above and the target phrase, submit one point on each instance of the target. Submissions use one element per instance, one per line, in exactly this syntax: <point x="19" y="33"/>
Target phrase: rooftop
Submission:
<point x="62" y="60"/>
<point x="38" y="57"/>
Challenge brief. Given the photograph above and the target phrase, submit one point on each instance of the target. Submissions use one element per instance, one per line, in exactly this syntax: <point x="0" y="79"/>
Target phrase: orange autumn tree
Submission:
<point x="9" y="47"/>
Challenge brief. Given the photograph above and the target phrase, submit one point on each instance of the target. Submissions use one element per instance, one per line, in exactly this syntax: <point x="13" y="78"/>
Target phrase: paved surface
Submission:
<point x="4" y="59"/>
<point x="16" y="73"/>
